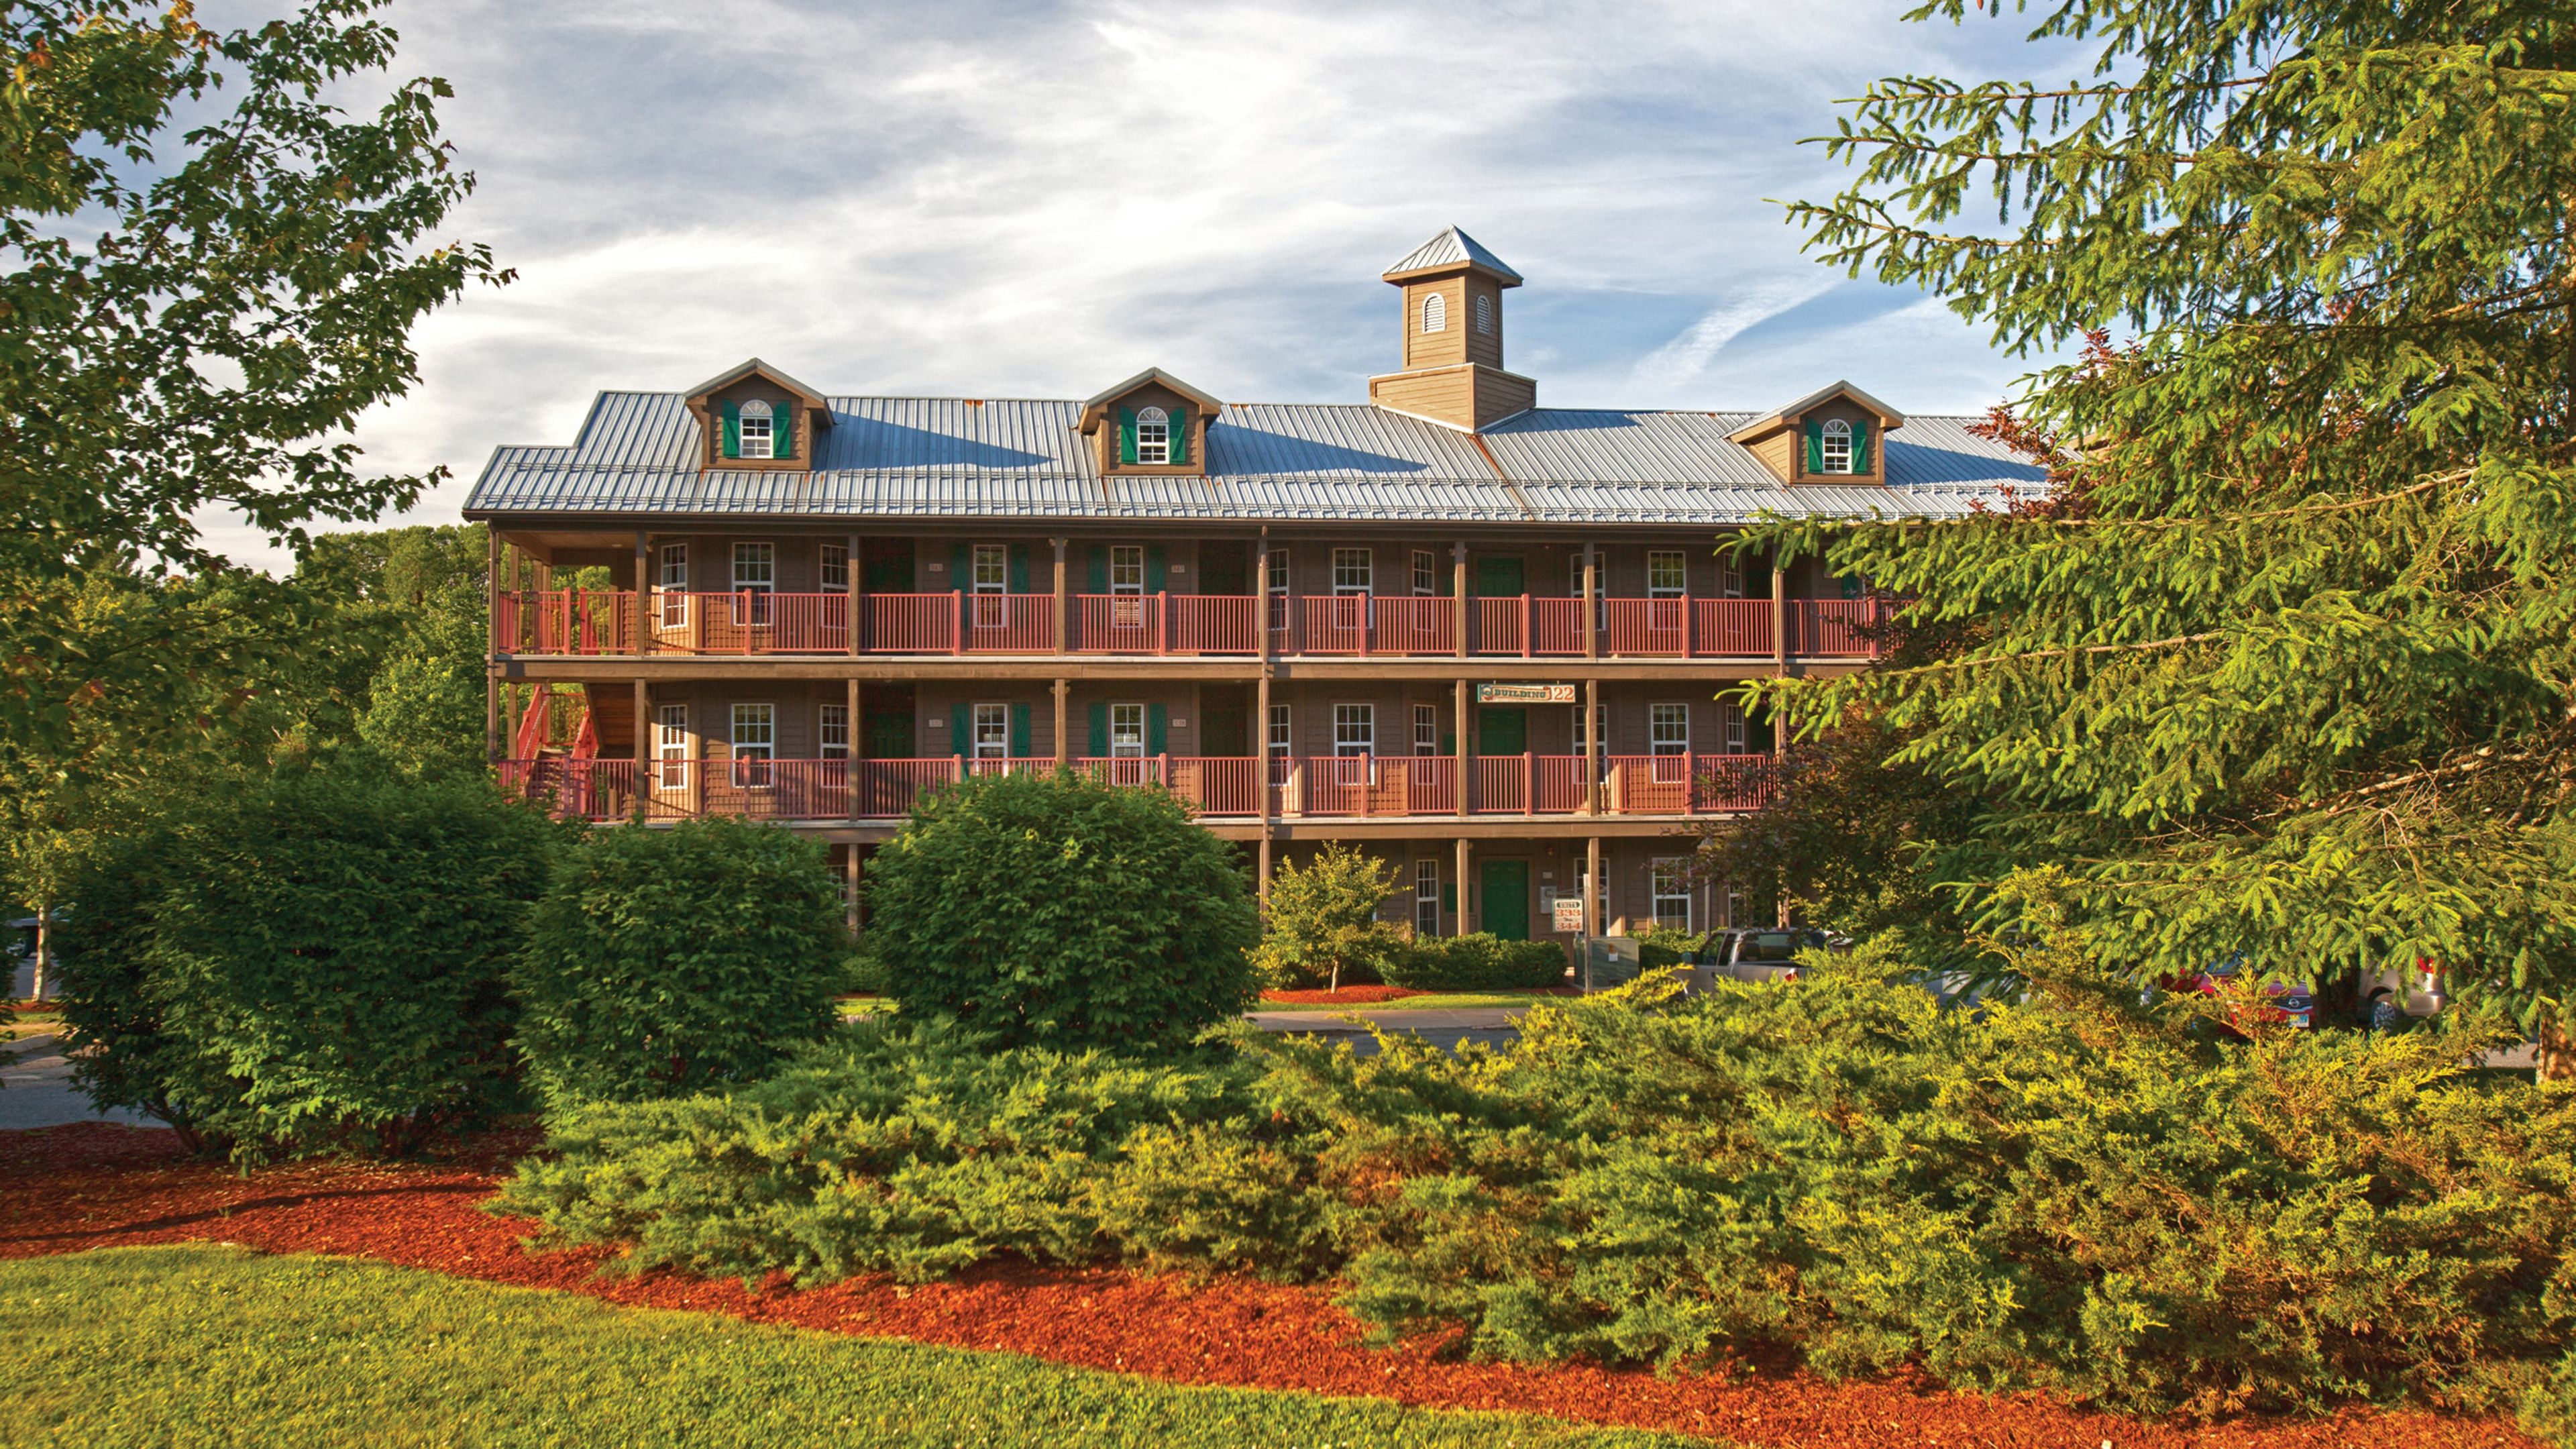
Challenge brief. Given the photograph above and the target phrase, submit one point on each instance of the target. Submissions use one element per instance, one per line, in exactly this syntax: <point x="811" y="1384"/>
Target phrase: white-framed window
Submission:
<point x="1669" y="880"/>
<point x="1600" y="586"/>
<point x="1351" y="570"/>
<point x="990" y="732"/>
<point x="671" y="746"/>
<point x="755" y="430"/>
<point x="1127" y="568"/>
<point x="835" y="568"/>
<point x="1730" y="579"/>
<point x="1280" y="739"/>
<point x="1426" y="897"/>
<point x="1426" y="729"/>
<point x="1426" y="572"/>
<point x="1275" y="580"/>
<point x="1484" y="313"/>
<point x="1435" y="312"/>
<point x="1153" y="436"/>
<point x="755" y="743"/>
<point x="1669" y="728"/>
<point x="1736" y="735"/>
<point x="674" y="584"/>
<point x="989" y="569"/>
<point x="832" y="732"/>
<point x="1736" y="907"/>
<point x="1667" y="573"/>
<point x="755" y="567"/>
<point x="1838" y="449"/>
<point x="1354" y="729"/>
<point x="1600" y="721"/>
<point x="1127" y="731"/>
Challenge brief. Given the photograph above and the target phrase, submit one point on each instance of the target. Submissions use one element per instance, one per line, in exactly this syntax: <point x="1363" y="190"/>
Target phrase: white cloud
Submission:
<point x="1687" y="356"/>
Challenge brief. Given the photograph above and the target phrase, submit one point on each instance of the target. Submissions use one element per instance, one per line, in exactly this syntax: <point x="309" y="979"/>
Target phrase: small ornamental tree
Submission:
<point x="319" y="963"/>
<point x="666" y="962"/>
<point x="1323" y="921"/>
<point x="1065" y="912"/>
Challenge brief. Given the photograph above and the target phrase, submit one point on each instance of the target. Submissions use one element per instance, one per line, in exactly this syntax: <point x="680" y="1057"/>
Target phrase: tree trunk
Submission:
<point x="2556" y="1056"/>
<point x="44" y="951"/>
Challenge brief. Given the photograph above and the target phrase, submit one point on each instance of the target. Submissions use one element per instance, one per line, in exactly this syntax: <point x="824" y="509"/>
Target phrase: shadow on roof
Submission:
<point x="1910" y="462"/>
<point x="1567" y="420"/>
<point x="1236" y="449"/>
<point x="868" y="443"/>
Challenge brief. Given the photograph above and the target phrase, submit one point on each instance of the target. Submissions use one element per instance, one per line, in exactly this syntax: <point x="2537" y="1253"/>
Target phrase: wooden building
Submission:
<point x="1385" y="622"/>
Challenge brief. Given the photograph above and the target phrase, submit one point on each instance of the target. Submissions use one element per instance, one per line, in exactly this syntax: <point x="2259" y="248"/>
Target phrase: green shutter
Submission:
<point x="1158" y="729"/>
<point x="1019" y="568"/>
<point x="961" y="722"/>
<point x="782" y="430"/>
<point x="1098" y="565"/>
<point x="1851" y="585"/>
<point x="1153" y="568"/>
<point x="1757" y="730"/>
<point x="1099" y="731"/>
<point x="1449" y="897"/>
<point x="1860" y="447"/>
<point x="1126" y="435"/>
<point x="1815" y="447"/>
<point x="1757" y="577"/>
<point x="1019" y="731"/>
<point x="961" y="566"/>
<point x="733" y="430"/>
<point x="1448" y="744"/>
<point x="1180" y="435"/>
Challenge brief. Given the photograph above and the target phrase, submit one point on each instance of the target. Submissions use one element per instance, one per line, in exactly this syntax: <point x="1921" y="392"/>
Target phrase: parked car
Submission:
<point x="1755" y="953"/>
<point x="2284" y="1003"/>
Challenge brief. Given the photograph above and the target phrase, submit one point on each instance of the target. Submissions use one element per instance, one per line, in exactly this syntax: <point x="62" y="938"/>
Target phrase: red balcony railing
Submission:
<point x="751" y="621"/>
<point x="564" y="621"/>
<point x="1836" y="628"/>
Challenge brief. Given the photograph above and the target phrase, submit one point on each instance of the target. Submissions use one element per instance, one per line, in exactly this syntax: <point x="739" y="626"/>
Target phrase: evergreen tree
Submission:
<point x="2282" y="664"/>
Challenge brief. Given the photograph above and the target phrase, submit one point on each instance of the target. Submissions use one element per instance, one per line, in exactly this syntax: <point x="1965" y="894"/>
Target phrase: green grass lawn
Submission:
<point x="213" y="1345"/>
<point x="1436" y="1001"/>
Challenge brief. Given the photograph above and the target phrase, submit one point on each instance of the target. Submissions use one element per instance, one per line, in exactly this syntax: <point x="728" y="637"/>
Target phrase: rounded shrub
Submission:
<point x="1321" y="926"/>
<point x="665" y="962"/>
<point x="1481" y="962"/>
<point x="1061" y="911"/>
<point x="316" y="962"/>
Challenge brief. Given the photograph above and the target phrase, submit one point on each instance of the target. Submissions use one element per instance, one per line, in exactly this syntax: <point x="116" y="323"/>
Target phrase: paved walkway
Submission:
<point x="1491" y="1025"/>
<point x="37" y="1090"/>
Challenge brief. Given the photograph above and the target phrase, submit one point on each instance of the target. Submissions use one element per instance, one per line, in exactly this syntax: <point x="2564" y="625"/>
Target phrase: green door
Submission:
<point x="1506" y="899"/>
<point x="889" y="735"/>
<point x="1502" y="729"/>
<point x="1499" y="578"/>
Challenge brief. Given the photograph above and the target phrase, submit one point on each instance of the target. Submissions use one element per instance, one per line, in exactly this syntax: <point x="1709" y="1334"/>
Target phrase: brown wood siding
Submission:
<point x="1448" y="346"/>
<point x="777" y="397"/>
<point x="1484" y="347"/>
<point x="1153" y="395"/>
<point x="1500" y="394"/>
<point x="1447" y="395"/>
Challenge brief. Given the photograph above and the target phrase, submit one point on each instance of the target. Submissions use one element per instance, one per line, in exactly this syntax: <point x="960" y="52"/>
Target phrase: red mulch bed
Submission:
<point x="66" y="1189"/>
<point x="1376" y="995"/>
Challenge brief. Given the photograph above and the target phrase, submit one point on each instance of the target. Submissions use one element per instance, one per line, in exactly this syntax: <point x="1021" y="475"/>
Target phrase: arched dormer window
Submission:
<point x="1838" y="447"/>
<point x="1435" y="312"/>
<point x="1153" y="436"/>
<point x="757" y="430"/>
<point x="1484" y="314"/>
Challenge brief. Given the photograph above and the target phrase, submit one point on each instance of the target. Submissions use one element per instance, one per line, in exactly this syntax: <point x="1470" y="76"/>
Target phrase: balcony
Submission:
<point x="1164" y="625"/>
<point x="1217" y="787"/>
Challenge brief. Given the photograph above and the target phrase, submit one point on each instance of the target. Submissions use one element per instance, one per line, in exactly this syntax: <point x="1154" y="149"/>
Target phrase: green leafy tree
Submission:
<point x="417" y="594"/>
<point x="1064" y="912"/>
<point x="666" y="962"/>
<point x="318" y="961"/>
<point x="1322" y="921"/>
<point x="2282" y="662"/>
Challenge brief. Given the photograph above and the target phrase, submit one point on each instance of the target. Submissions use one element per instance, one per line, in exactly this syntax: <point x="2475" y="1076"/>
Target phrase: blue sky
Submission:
<point x="1024" y="199"/>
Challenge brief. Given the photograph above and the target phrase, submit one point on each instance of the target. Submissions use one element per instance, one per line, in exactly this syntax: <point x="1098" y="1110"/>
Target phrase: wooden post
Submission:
<point x="850" y="761"/>
<point x="1261" y="752"/>
<point x="1063" y="689"/>
<point x="1458" y="587"/>
<point x="1063" y="633"/>
<point x="1780" y="617"/>
<point x="1465" y="777"/>
<point x="1592" y="747"/>
<point x="850" y="867"/>
<point x="1591" y="601"/>
<point x="1261" y="613"/>
<point x="491" y="713"/>
<point x="1466" y="915"/>
<point x="643" y="742"/>
<point x="1529" y="782"/>
<point x="1261" y="873"/>
<point x="1529" y="640"/>
<point x="857" y="588"/>
<point x="643" y="592"/>
<point x="1592" y="888"/>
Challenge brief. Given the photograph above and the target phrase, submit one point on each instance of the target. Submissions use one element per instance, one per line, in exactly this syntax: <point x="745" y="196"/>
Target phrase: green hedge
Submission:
<point x="1481" y="962"/>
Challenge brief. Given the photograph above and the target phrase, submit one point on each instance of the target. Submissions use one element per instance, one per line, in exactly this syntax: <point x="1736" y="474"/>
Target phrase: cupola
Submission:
<point x="1452" y="327"/>
<point x="1836" y="434"/>
<point x="755" y="416"/>
<point x="1151" y="423"/>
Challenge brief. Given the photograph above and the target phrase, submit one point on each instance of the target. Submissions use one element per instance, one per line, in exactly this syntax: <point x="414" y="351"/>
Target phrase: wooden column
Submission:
<point x="1591" y="601"/>
<point x="1261" y="761"/>
<point x="1594" y="748"/>
<point x="491" y="713"/>
<point x="1261" y="871"/>
<point x="643" y="592"/>
<point x="1063" y="689"/>
<point x="1063" y="634"/>
<point x="1466" y="775"/>
<point x="855" y="699"/>
<point x="859" y="633"/>
<point x="1261" y="619"/>
<point x="1780" y="615"/>
<point x="850" y="880"/>
<point x="1466" y="917"/>
<point x="1592" y="895"/>
<point x="1458" y="588"/>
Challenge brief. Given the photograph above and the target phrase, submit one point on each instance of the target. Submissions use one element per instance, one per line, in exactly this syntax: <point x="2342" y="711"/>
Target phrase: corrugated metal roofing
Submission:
<point x="1449" y="249"/>
<point x="637" y="455"/>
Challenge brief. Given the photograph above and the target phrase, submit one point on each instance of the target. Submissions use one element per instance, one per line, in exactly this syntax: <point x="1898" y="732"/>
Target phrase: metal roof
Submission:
<point x="1454" y="248"/>
<point x="930" y="458"/>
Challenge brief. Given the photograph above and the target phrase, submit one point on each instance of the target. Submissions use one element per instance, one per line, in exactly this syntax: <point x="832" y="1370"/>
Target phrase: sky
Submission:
<point x="989" y="199"/>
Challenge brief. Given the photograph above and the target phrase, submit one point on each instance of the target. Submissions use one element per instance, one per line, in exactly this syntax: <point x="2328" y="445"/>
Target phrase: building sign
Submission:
<point x="1524" y="694"/>
<point x="1569" y="915"/>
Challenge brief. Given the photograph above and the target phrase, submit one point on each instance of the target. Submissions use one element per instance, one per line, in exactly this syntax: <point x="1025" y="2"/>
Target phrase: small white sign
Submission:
<point x="1568" y="914"/>
<point x="1525" y="694"/>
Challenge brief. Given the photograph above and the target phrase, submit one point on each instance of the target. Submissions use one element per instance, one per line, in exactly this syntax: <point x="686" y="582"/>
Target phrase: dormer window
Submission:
<point x="755" y="429"/>
<point x="1435" y="312"/>
<point x="1837" y="448"/>
<point x="1153" y="436"/>
<point x="1484" y="313"/>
